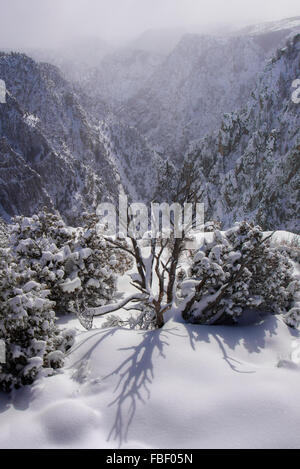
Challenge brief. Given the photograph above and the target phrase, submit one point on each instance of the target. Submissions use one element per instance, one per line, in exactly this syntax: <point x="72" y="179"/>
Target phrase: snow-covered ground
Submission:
<point x="183" y="386"/>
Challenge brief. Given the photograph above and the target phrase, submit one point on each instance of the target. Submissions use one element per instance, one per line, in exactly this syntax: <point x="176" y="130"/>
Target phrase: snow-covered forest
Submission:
<point x="156" y="340"/>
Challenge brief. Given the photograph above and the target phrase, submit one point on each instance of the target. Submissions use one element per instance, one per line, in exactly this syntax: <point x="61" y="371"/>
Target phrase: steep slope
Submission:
<point x="202" y="78"/>
<point x="81" y="143"/>
<point x="44" y="124"/>
<point x="21" y="187"/>
<point x="120" y="74"/>
<point x="41" y="90"/>
<point x="284" y="25"/>
<point x="182" y="386"/>
<point x="3" y="234"/>
<point x="137" y="162"/>
<point x="250" y="166"/>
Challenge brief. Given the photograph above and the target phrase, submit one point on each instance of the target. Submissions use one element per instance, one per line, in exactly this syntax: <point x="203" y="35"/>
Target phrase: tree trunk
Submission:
<point x="172" y="272"/>
<point x="159" y="318"/>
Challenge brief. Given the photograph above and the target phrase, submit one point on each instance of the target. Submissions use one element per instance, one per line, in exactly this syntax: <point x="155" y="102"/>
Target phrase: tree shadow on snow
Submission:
<point x="252" y="336"/>
<point x="136" y="372"/>
<point x="104" y="334"/>
<point x="4" y="402"/>
<point x="135" y="375"/>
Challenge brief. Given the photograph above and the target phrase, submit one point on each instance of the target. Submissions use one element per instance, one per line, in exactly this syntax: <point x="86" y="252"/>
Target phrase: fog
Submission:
<point x="48" y="23"/>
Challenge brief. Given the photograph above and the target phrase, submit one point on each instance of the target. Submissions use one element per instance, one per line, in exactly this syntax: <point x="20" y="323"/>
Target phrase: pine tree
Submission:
<point x="27" y="325"/>
<point x="238" y="269"/>
<point x="77" y="265"/>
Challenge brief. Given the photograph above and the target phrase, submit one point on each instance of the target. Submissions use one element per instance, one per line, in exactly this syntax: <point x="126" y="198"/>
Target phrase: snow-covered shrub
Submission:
<point x="27" y="325"/>
<point x="76" y="264"/>
<point x="291" y="248"/>
<point x="292" y="318"/>
<point x="238" y="269"/>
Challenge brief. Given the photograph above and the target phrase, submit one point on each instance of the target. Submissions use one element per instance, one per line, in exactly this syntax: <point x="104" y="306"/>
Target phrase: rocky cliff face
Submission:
<point x="120" y="75"/>
<point x="71" y="145"/>
<point x="250" y="166"/>
<point x="203" y="77"/>
<point x="137" y="162"/>
<point x="47" y="132"/>
<point x="180" y="95"/>
<point x="185" y="98"/>
<point x="54" y="149"/>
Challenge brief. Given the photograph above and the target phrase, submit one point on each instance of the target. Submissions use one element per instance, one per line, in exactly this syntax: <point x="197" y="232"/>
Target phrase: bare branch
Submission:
<point x="136" y="285"/>
<point x="119" y="246"/>
<point x="102" y="310"/>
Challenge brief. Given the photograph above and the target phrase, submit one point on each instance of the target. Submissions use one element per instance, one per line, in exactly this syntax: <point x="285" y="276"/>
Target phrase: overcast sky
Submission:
<point x="43" y="23"/>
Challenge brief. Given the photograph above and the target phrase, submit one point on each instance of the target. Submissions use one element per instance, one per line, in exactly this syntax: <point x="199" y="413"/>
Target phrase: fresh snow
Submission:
<point x="71" y="285"/>
<point x="183" y="386"/>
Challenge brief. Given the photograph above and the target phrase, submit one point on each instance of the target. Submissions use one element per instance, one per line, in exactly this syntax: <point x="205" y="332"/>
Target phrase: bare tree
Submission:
<point x="156" y="272"/>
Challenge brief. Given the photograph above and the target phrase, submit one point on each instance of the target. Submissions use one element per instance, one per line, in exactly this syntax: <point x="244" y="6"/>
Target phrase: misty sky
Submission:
<point x="47" y="23"/>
